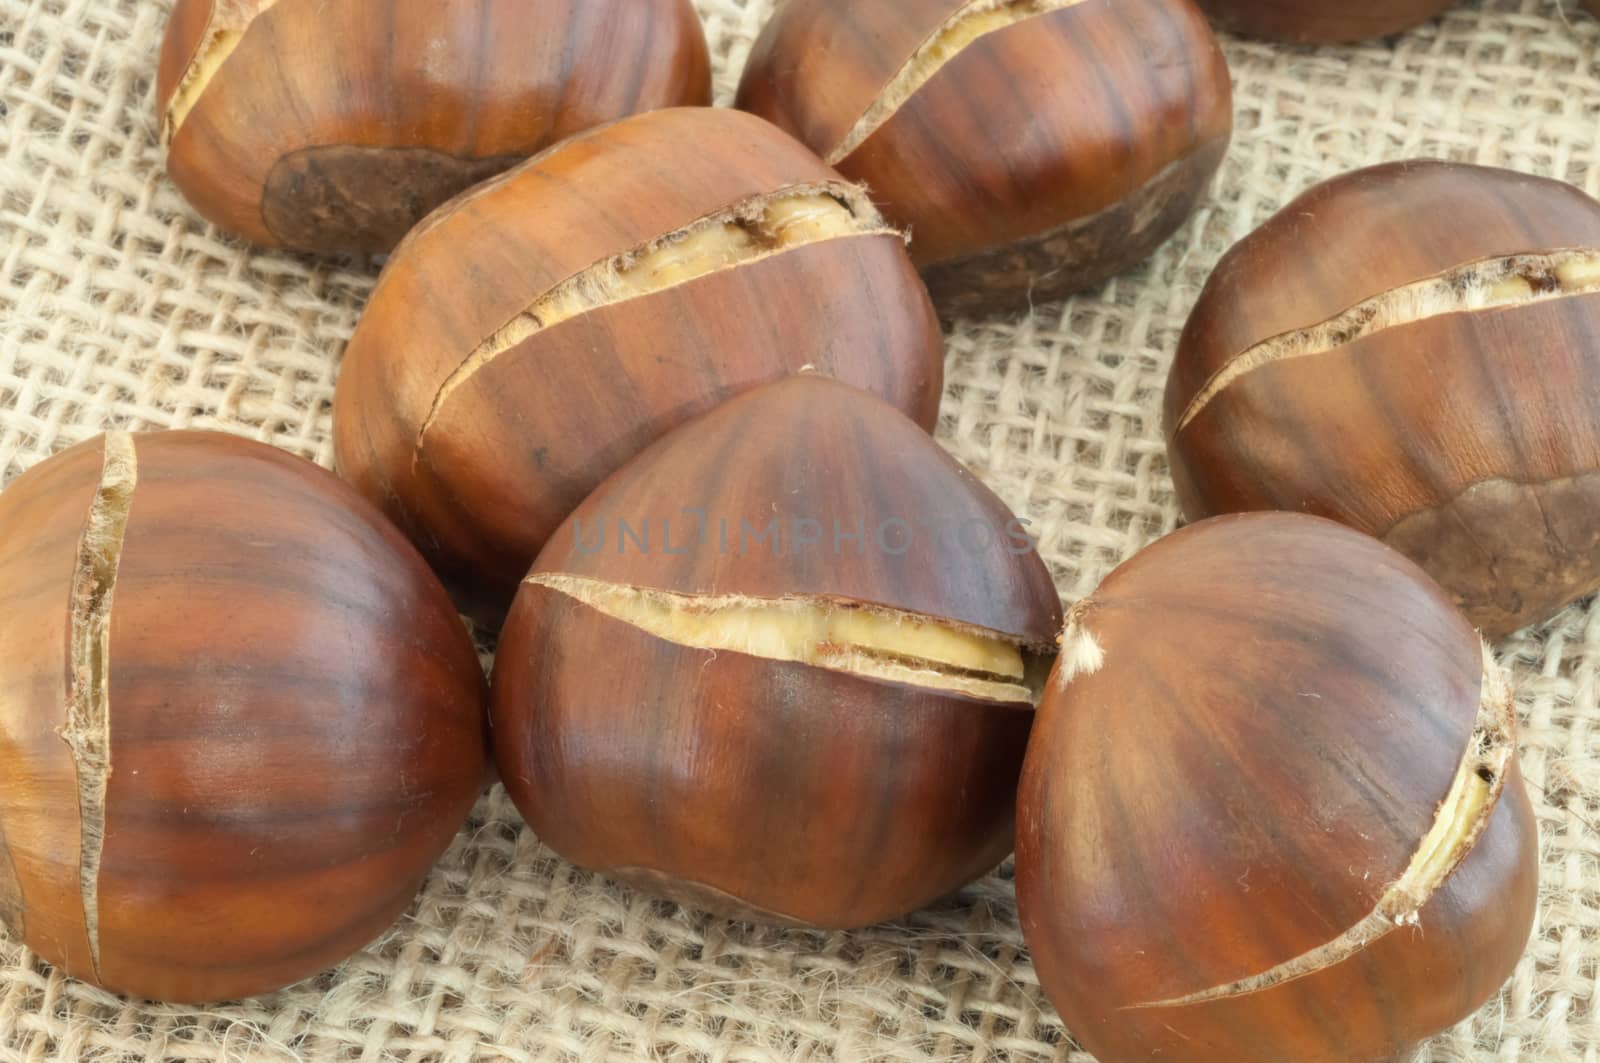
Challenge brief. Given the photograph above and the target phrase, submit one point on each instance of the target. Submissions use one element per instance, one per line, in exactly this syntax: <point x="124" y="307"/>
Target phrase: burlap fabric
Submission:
<point x="119" y="308"/>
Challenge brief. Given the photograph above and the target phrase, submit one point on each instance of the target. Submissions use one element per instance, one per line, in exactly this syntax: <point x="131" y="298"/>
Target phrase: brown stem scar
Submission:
<point x="757" y="228"/>
<point x="87" y="730"/>
<point x="869" y="641"/>
<point x="1491" y="284"/>
<point x="1460" y="821"/>
<point x="974" y="19"/>
<point x="223" y="32"/>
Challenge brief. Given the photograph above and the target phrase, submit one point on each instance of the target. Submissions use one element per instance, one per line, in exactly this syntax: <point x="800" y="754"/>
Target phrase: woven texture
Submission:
<point x="118" y="307"/>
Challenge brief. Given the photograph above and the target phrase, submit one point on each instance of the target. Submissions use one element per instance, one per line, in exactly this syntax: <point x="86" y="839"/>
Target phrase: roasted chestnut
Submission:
<point x="1322" y="21"/>
<point x="1271" y="808"/>
<point x="780" y="666"/>
<point x="336" y="126"/>
<point x="1033" y="148"/>
<point x="541" y="330"/>
<point x="240" y="718"/>
<point x="1414" y="350"/>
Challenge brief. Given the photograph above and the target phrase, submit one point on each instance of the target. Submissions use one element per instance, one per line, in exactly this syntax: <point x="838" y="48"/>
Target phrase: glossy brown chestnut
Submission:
<point x="1032" y="147"/>
<point x="239" y="719"/>
<point x="336" y="126"/>
<point x="1322" y="21"/>
<point x="780" y="666"/>
<point x="535" y="334"/>
<point x="1413" y="350"/>
<point x="1271" y="809"/>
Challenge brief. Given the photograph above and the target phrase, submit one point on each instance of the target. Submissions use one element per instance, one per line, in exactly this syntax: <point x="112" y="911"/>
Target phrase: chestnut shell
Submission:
<point x="1042" y="159"/>
<point x="1274" y="714"/>
<point x="527" y="436"/>
<point x="765" y="789"/>
<point x="337" y="126"/>
<point x="296" y="724"/>
<point x="1322" y="21"/>
<point x="1470" y="441"/>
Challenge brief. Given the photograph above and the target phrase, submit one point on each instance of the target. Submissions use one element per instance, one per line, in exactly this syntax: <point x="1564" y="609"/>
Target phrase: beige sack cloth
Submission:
<point x="118" y="307"/>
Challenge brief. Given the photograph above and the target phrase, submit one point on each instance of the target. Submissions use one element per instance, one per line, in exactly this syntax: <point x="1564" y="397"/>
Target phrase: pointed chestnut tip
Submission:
<point x="809" y="486"/>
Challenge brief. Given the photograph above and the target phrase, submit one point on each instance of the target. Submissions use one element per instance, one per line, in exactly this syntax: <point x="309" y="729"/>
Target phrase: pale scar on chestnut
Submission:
<point x="862" y="640"/>
<point x="974" y="19"/>
<point x="1080" y="652"/>
<point x="87" y="729"/>
<point x="1499" y="283"/>
<point x="1460" y="820"/>
<point x="760" y="227"/>
<point x="225" y="29"/>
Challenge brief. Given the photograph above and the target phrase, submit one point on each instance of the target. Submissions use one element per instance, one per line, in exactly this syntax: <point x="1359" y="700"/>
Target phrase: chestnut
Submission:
<point x="780" y="666"/>
<point x="337" y="126"/>
<point x="1033" y="148"/>
<point x="1271" y="809"/>
<point x="1413" y="350"/>
<point x="240" y="718"/>
<point x="1322" y="21"/>
<point x="535" y="334"/>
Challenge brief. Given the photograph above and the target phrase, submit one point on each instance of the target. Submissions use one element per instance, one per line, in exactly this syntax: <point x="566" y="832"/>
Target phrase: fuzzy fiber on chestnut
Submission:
<point x="1271" y="809"/>
<point x="336" y="126"/>
<point x="804" y="695"/>
<point x="536" y="333"/>
<point x="241" y="720"/>
<point x="1414" y="350"/>
<point x="1032" y="147"/>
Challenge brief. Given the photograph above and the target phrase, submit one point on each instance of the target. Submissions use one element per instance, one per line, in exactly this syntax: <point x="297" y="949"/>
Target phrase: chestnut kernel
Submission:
<point x="1271" y="809"/>
<point x="1369" y="355"/>
<point x="819" y="668"/>
<point x="1322" y="21"/>
<point x="337" y="126"/>
<point x="1033" y="148"/>
<point x="241" y="718"/>
<point x="532" y="336"/>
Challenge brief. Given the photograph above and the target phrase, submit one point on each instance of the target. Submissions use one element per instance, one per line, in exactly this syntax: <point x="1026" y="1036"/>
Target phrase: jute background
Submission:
<point x="119" y="308"/>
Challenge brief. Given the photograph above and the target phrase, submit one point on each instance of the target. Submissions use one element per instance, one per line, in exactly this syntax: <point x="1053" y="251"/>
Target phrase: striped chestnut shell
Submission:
<point x="781" y="666"/>
<point x="1271" y="808"/>
<point x="1033" y="148"/>
<point x="536" y="333"/>
<point x="1321" y="21"/>
<point x="1413" y="350"/>
<point x="337" y="126"/>
<point x="239" y="719"/>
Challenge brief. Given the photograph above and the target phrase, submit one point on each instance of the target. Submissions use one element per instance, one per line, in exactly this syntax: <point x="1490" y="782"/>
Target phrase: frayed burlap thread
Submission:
<point x="119" y="308"/>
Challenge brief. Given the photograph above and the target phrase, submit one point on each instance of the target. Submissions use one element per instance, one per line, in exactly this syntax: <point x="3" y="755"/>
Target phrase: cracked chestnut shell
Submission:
<point x="1413" y="350"/>
<point x="1271" y="809"/>
<point x="535" y="334"/>
<point x="755" y="713"/>
<point x="336" y="126"/>
<point x="239" y="719"/>
<point x="1033" y="148"/>
<point x="1322" y="21"/>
